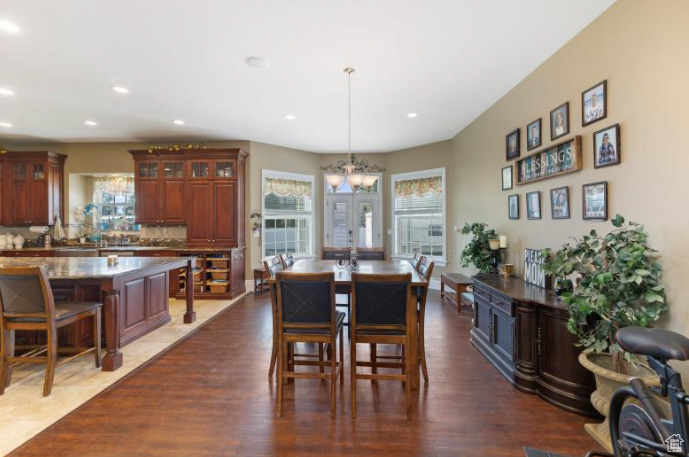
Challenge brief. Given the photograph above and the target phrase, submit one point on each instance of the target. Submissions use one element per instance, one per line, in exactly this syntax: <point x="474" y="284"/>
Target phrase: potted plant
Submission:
<point x="616" y="284"/>
<point x="477" y="252"/>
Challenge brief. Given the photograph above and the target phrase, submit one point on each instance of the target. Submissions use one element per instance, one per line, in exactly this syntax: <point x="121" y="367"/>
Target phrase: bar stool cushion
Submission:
<point x="340" y="317"/>
<point x="63" y="310"/>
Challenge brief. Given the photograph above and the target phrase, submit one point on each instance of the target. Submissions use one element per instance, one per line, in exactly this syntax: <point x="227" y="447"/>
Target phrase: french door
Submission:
<point x="353" y="220"/>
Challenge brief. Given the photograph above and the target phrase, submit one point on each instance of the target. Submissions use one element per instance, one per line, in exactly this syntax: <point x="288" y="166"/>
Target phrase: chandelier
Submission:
<point x="352" y="168"/>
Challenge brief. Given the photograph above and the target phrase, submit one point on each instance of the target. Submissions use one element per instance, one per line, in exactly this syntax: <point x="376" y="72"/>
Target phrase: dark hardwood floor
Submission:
<point x="210" y="396"/>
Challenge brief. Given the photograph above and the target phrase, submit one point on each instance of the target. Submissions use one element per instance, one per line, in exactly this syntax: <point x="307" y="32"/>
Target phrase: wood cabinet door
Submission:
<point x="38" y="198"/>
<point x="200" y="212"/>
<point x="482" y="317"/>
<point x="20" y="203"/>
<point x="224" y="206"/>
<point x="503" y="334"/>
<point x="172" y="205"/>
<point x="147" y="202"/>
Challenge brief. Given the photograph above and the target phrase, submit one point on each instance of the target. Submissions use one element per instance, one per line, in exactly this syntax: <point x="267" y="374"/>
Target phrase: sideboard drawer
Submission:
<point x="505" y="306"/>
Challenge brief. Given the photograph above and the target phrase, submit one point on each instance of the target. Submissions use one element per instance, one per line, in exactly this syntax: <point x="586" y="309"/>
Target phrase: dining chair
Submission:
<point x="371" y="253"/>
<point x="382" y="309"/>
<point x="27" y="303"/>
<point x="415" y="260"/>
<point x="287" y="259"/>
<point x="426" y="270"/>
<point x="332" y="253"/>
<point x="307" y="313"/>
<point x="272" y="266"/>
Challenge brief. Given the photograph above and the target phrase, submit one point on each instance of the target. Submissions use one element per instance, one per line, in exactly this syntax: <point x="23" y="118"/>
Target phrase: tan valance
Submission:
<point x="113" y="184"/>
<point x="287" y="188"/>
<point x="419" y="187"/>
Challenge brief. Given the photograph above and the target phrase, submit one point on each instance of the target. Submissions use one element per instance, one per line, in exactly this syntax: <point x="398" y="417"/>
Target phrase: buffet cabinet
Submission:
<point x="521" y="330"/>
<point x="31" y="184"/>
<point x="201" y="188"/>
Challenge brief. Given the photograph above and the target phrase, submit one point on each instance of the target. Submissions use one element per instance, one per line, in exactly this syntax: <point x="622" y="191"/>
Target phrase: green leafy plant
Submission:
<point x="617" y="284"/>
<point x="477" y="252"/>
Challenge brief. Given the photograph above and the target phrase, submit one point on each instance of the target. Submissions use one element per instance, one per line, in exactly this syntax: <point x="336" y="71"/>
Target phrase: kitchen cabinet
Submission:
<point x="521" y="330"/>
<point x="31" y="187"/>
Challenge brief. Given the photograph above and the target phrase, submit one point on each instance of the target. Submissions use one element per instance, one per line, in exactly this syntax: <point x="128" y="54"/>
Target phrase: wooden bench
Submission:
<point x="458" y="283"/>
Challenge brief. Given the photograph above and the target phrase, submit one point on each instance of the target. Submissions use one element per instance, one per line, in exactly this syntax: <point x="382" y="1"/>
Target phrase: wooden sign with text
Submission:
<point x="533" y="268"/>
<point x="556" y="160"/>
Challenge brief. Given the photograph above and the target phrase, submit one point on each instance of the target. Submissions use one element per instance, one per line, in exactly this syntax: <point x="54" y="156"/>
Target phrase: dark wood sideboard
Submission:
<point x="521" y="330"/>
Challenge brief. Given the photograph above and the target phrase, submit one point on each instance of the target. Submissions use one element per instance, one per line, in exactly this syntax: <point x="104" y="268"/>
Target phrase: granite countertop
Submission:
<point x="92" y="267"/>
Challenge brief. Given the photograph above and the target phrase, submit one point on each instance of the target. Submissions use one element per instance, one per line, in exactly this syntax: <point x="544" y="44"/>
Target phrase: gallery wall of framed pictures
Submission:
<point x="605" y="150"/>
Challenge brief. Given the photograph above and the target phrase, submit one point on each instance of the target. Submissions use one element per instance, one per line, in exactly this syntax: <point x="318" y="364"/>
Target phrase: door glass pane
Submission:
<point x="340" y="218"/>
<point x="148" y="170"/>
<point x="364" y="224"/>
<point x="200" y="169"/>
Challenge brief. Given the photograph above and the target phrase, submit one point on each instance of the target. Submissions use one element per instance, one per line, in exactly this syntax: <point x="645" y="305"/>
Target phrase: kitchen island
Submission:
<point x="134" y="293"/>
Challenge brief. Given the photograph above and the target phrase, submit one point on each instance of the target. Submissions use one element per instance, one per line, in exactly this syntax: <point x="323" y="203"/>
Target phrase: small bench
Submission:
<point x="458" y="283"/>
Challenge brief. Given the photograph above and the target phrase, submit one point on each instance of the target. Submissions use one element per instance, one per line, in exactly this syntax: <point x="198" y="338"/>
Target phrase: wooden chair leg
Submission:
<point x="273" y="357"/>
<point x="333" y="378"/>
<point x="352" y="375"/>
<point x="51" y="361"/>
<point x="4" y="364"/>
<point x="321" y="368"/>
<point x="97" y="336"/>
<point x="407" y="384"/>
<point x="374" y="360"/>
<point x="341" y="357"/>
<point x="281" y="366"/>
<point x="422" y="348"/>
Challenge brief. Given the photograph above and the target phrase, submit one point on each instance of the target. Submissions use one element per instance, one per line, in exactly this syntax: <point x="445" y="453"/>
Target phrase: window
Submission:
<point x="113" y="203"/>
<point x="418" y="208"/>
<point x="287" y="213"/>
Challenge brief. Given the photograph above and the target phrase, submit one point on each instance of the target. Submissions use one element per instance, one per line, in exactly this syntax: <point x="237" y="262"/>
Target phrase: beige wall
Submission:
<point x="640" y="48"/>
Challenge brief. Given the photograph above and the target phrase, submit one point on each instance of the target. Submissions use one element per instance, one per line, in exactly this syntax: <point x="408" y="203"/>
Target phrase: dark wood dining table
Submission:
<point x="343" y="282"/>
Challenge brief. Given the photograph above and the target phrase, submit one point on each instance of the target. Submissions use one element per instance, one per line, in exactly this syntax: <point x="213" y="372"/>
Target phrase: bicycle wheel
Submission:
<point x="634" y="420"/>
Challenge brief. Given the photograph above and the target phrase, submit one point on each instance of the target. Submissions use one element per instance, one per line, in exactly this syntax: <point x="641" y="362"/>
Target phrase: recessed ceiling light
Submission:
<point x="290" y="117"/>
<point x="257" y="63"/>
<point x="120" y="89"/>
<point x="7" y="26"/>
<point x="91" y="123"/>
<point x="6" y="92"/>
<point x="412" y="114"/>
<point x="5" y="124"/>
<point x="178" y="122"/>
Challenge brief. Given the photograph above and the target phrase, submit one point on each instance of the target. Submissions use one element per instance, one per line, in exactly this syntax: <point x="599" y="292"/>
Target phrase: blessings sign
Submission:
<point x="533" y="268"/>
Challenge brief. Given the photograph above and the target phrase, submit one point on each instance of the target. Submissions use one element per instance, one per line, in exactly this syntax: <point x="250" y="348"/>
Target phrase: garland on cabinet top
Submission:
<point x="176" y="148"/>
<point x="3" y="149"/>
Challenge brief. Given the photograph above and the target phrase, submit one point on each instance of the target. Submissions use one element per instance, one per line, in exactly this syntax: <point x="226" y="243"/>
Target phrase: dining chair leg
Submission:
<point x="273" y="357"/>
<point x="4" y="364"/>
<point x="333" y="378"/>
<point x="341" y="357"/>
<point x="407" y="384"/>
<point x="374" y="359"/>
<point x="281" y="366"/>
<point x="97" y="335"/>
<point x="422" y="348"/>
<point x="51" y="361"/>
<point x="321" y="368"/>
<point x="352" y="374"/>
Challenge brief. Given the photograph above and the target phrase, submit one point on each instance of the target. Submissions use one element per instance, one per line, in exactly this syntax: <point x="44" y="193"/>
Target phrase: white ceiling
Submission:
<point x="447" y="60"/>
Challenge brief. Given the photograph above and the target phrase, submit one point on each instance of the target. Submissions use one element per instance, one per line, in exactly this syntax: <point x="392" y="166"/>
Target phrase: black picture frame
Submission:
<point x="559" y="209"/>
<point x="511" y="178"/>
<point x="564" y="110"/>
<point x="532" y="143"/>
<point x="512" y="153"/>
<point x="530" y="215"/>
<point x="510" y="214"/>
<point x="594" y="115"/>
<point x="600" y="161"/>
<point x="589" y="213"/>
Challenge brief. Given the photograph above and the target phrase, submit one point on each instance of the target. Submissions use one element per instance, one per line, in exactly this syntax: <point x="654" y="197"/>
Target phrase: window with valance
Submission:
<point x="419" y="213"/>
<point x="287" y="213"/>
<point x="113" y="197"/>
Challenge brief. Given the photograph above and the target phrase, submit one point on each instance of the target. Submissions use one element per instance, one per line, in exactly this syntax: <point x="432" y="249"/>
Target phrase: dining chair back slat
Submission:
<point x="287" y="259"/>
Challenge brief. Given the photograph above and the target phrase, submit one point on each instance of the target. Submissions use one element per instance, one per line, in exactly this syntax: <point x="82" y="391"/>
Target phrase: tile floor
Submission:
<point x="24" y="412"/>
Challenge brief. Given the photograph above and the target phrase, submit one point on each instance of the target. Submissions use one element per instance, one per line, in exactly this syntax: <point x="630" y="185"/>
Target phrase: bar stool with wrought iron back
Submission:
<point x="27" y="303"/>
<point x="371" y="253"/>
<point x="272" y="266"/>
<point x="287" y="259"/>
<point x="306" y="313"/>
<point x="382" y="309"/>
<point x="426" y="270"/>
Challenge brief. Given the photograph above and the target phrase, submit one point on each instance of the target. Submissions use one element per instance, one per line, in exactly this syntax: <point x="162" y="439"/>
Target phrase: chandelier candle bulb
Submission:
<point x="503" y="241"/>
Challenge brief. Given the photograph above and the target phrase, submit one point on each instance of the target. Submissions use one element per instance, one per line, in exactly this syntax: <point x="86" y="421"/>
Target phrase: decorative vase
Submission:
<point x="18" y="242"/>
<point x="607" y="381"/>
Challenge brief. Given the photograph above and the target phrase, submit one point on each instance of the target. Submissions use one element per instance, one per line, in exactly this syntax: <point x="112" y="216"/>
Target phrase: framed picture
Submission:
<point x="512" y="145"/>
<point x="595" y="201"/>
<point x="533" y="205"/>
<point x="513" y="206"/>
<point x="507" y="178"/>
<point x="594" y="103"/>
<point x="559" y="203"/>
<point x="606" y="146"/>
<point x="559" y="121"/>
<point x="533" y="135"/>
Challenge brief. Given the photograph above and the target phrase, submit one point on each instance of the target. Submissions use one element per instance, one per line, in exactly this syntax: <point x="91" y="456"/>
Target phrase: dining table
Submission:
<point x="343" y="284"/>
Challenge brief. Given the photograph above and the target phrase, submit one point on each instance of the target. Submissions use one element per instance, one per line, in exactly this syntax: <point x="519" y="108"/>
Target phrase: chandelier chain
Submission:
<point x="349" y="112"/>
